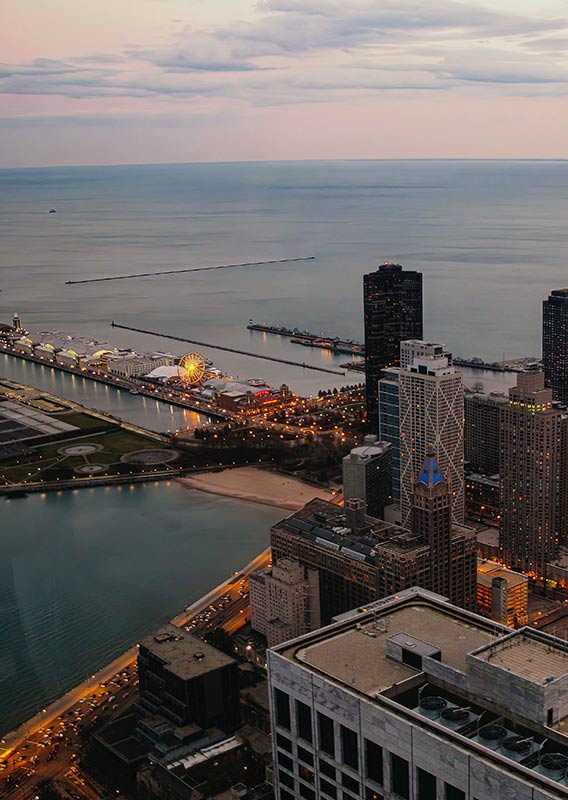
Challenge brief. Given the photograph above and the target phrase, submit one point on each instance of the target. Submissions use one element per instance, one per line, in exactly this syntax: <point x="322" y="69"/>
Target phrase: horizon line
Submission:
<point x="286" y="161"/>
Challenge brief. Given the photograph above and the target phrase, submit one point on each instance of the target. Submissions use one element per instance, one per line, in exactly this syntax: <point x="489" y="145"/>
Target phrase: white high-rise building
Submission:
<point x="412" y="698"/>
<point x="418" y="348"/>
<point x="431" y="404"/>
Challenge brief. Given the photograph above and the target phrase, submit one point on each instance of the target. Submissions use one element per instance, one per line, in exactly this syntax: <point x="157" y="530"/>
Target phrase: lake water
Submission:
<point x="490" y="238"/>
<point x="85" y="574"/>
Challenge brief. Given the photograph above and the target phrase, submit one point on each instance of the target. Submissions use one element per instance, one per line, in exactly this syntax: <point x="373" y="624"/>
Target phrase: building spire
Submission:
<point x="430" y="474"/>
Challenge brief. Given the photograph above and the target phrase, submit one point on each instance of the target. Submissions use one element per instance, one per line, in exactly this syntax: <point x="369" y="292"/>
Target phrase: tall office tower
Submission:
<point x="533" y="476"/>
<point x="389" y="423"/>
<point x="392" y="304"/>
<point x="431" y="414"/>
<point x="367" y="475"/>
<point x="415" y="699"/>
<point x="555" y="343"/>
<point x="482" y="431"/>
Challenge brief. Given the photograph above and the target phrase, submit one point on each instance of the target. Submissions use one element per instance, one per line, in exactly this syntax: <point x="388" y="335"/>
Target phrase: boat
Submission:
<point x="52" y="211"/>
<point x="134" y="391"/>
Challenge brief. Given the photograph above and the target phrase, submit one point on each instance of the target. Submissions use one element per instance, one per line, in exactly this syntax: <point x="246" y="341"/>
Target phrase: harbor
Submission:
<point x="308" y="339"/>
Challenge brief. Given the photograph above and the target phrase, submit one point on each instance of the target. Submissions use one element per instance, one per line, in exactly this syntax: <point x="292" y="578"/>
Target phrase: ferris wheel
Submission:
<point x="191" y="368"/>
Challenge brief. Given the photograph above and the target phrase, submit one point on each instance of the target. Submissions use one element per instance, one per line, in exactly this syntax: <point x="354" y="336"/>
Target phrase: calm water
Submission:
<point x="85" y="574"/>
<point x="490" y="237"/>
<point x="139" y="410"/>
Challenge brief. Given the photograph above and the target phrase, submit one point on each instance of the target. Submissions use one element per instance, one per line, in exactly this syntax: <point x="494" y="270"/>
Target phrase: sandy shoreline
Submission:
<point x="257" y="486"/>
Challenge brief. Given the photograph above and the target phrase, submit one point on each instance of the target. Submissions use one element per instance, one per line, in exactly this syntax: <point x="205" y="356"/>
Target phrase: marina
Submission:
<point x="332" y="343"/>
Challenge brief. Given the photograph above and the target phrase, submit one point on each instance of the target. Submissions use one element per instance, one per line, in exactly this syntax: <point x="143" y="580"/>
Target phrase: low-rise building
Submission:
<point x="134" y="366"/>
<point x="502" y="595"/>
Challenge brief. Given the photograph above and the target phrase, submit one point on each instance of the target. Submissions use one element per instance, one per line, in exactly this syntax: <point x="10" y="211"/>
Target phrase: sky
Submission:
<point x="142" y="81"/>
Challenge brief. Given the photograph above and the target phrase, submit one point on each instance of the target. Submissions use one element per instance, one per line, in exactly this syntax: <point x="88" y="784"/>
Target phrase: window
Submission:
<point x="374" y="761"/>
<point x="326" y="735"/>
<point x="306" y="774"/>
<point x="305" y="756"/>
<point x="370" y="794"/>
<point x="400" y="781"/>
<point x="452" y="793"/>
<point x="309" y="794"/>
<point x="304" y="720"/>
<point x="350" y="783"/>
<point x="283" y="742"/>
<point x="426" y="785"/>
<point x="282" y="702"/>
<point x="349" y="752"/>
<point x="286" y="780"/>
<point x="285" y="761"/>
<point x="326" y="769"/>
<point x="284" y="795"/>
<point x="328" y="788"/>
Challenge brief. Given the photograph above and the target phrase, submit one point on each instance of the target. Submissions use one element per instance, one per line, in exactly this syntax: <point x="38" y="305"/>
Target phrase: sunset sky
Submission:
<point x="129" y="81"/>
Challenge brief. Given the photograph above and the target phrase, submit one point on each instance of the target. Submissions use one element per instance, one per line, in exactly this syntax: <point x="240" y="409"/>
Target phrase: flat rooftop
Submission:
<point x="354" y="652"/>
<point x="487" y="570"/>
<point x="531" y="655"/>
<point x="182" y="654"/>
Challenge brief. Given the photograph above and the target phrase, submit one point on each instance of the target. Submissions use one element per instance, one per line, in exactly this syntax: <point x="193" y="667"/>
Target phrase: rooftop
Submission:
<point x="487" y="570"/>
<point x="354" y="652"/>
<point x="182" y="654"/>
<point x="532" y="655"/>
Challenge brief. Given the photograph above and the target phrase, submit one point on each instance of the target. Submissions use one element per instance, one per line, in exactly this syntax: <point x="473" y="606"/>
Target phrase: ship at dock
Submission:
<point x="308" y="339"/>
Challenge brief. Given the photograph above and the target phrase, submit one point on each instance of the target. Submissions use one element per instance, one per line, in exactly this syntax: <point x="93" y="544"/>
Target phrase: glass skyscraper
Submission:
<point x="392" y="301"/>
<point x="555" y="343"/>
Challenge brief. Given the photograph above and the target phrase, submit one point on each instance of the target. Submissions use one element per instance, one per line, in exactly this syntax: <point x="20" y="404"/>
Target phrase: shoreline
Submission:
<point x="254" y="485"/>
<point x="12" y="739"/>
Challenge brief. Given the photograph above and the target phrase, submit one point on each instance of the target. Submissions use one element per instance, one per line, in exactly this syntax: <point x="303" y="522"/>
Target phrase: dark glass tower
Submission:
<point x="392" y="303"/>
<point x="555" y="343"/>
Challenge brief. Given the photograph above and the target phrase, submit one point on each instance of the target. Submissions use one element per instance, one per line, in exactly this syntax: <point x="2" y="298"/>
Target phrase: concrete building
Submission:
<point x="134" y="366"/>
<point x="483" y="414"/>
<point x="415" y="699"/>
<point x="418" y="348"/>
<point x="392" y="304"/>
<point x="187" y="681"/>
<point x="533" y="476"/>
<point x="555" y="343"/>
<point x="482" y="498"/>
<point x="431" y="404"/>
<point x="389" y="423"/>
<point x="502" y="595"/>
<point x="367" y="475"/>
<point x="359" y="559"/>
<point x="284" y="601"/>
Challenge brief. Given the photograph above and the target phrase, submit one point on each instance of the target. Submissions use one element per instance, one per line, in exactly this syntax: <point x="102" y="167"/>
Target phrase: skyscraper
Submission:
<point x="367" y="475"/>
<point x="431" y="414"/>
<point x="533" y="476"/>
<point x="392" y="301"/>
<point x="555" y="343"/>
<point x="482" y="432"/>
<point x="389" y="423"/>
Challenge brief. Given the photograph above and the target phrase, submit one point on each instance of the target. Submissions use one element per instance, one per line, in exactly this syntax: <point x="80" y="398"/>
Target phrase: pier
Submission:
<point x="190" y="269"/>
<point x="225" y="349"/>
<point x="321" y="341"/>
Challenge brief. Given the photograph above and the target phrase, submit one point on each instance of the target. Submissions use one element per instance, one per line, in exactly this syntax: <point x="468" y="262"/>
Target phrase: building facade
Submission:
<point x="483" y="420"/>
<point x="555" y="343"/>
<point x="415" y="699"/>
<point x="533" y="477"/>
<point x="392" y="305"/>
<point x="431" y="402"/>
<point x="502" y="595"/>
<point x="284" y="602"/>
<point x="367" y="475"/>
<point x="389" y="423"/>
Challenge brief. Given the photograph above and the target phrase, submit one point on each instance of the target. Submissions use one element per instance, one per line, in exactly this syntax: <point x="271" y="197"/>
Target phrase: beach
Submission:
<point x="257" y="486"/>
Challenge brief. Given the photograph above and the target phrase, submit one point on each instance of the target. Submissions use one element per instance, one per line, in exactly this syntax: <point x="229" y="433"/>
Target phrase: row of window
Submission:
<point x="349" y="756"/>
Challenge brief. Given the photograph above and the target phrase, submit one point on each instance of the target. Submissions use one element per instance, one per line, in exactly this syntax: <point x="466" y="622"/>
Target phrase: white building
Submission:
<point x="133" y="366"/>
<point x="284" y="602"/>
<point x="431" y="404"/>
<point x="415" y="699"/>
<point x="418" y="348"/>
